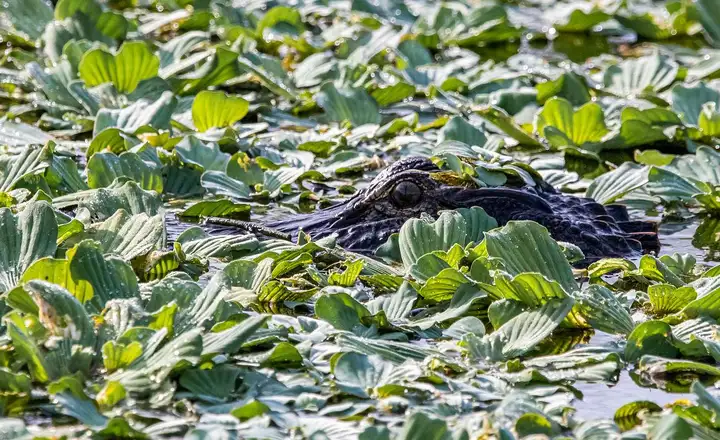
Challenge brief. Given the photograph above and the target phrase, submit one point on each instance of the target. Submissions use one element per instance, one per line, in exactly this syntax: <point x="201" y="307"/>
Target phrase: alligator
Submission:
<point x="411" y="187"/>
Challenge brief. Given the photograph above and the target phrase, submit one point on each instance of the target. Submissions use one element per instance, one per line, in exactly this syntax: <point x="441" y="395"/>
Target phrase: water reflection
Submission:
<point x="707" y="237"/>
<point x="698" y="236"/>
<point x="600" y="401"/>
<point x="579" y="48"/>
<point x="671" y="383"/>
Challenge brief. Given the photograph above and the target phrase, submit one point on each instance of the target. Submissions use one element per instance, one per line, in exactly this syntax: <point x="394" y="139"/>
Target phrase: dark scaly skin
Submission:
<point x="367" y="220"/>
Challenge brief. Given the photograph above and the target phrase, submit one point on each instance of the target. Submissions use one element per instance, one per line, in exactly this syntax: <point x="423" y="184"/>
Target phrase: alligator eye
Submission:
<point x="406" y="194"/>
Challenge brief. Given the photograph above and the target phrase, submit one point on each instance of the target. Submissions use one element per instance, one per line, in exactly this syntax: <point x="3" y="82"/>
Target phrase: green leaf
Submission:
<point x="706" y="399"/>
<point x="222" y="66"/>
<point x="218" y="382"/>
<point x="443" y="286"/>
<point x="274" y="181"/>
<point x="362" y="372"/>
<point x="650" y="337"/>
<point x="636" y="76"/>
<point x="217" y="109"/>
<point x="427" y="266"/>
<point x="104" y="168"/>
<point x="219" y="183"/>
<point x="110" y="395"/>
<point x="419" y="426"/>
<point x="270" y="72"/>
<point x="110" y="139"/>
<point x="29" y="17"/>
<point x="393" y="351"/>
<point x="521" y="333"/>
<point x="627" y="415"/>
<point x="703" y="166"/>
<point x="195" y="241"/>
<point x="569" y="85"/>
<point x="706" y="303"/>
<point x="708" y="13"/>
<point x="617" y="183"/>
<point x="505" y="122"/>
<point x="341" y="310"/>
<point x="16" y="382"/>
<point x="149" y="371"/>
<point x="61" y="313"/>
<point x="670" y="186"/>
<point x="68" y="393"/>
<point x="125" y="235"/>
<point x="603" y="311"/>
<point x="68" y="8"/>
<point x="133" y="63"/>
<point x="231" y="340"/>
<point x="390" y="10"/>
<point x="216" y="208"/>
<point x="348" y="104"/>
<point x="397" y="92"/>
<point x="25" y="238"/>
<point x="644" y="127"/>
<point x="688" y="101"/>
<point x="254" y="408"/>
<point x="30" y="353"/>
<point x="666" y="298"/>
<point x="652" y="268"/>
<point x="656" y="366"/>
<point x="419" y="237"/>
<point x="576" y="17"/>
<point x="141" y="114"/>
<point x="531" y="289"/>
<point x="104" y="202"/>
<point x="207" y="156"/>
<point x="527" y="246"/>
<point x="347" y="277"/>
<point x="63" y="176"/>
<point x="30" y="162"/>
<point x="653" y="157"/>
<point x="562" y="126"/>
<point x="463" y="326"/>
<point x="55" y="82"/>
<point x="709" y="120"/>
<point x="87" y="275"/>
<point x="118" y="356"/>
<point x="279" y="19"/>
<point x="283" y="356"/>
<point x="463" y="226"/>
<point x="459" y="129"/>
<point x="530" y="424"/>
<point x="593" y="364"/>
<point x="239" y="275"/>
<point x="671" y="427"/>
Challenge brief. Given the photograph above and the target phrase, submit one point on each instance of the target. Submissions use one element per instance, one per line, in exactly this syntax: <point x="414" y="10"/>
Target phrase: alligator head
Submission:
<point x="411" y="188"/>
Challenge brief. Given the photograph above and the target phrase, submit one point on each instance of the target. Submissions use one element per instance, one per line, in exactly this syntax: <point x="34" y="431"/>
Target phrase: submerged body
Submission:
<point x="411" y="187"/>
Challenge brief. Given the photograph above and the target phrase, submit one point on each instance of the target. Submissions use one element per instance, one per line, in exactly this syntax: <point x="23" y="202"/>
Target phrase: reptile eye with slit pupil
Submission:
<point x="406" y="194"/>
